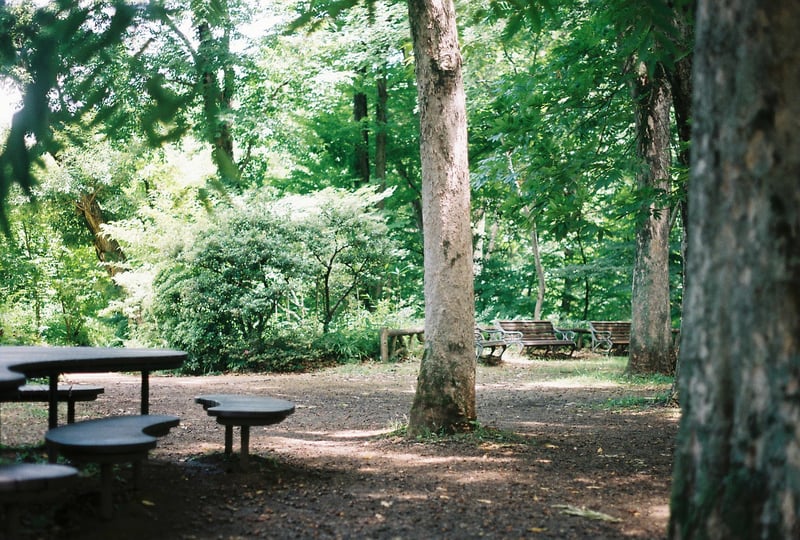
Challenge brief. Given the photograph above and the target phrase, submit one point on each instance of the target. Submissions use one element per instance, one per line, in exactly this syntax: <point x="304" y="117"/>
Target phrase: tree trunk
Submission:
<point x="537" y="261"/>
<point x="651" y="327"/>
<point x="217" y="99"/>
<point x="681" y="84"/>
<point x="569" y="284"/>
<point x="445" y="396"/>
<point x="736" y="463"/>
<point x="361" y="156"/>
<point x="108" y="250"/>
<point x="478" y="236"/>
<point x="381" y="125"/>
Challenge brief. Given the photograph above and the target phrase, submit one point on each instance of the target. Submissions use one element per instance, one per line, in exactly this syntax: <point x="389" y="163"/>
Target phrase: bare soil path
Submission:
<point x="562" y="465"/>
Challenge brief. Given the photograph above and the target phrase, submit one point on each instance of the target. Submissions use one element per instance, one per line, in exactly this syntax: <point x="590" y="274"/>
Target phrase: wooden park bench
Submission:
<point x="608" y="335"/>
<point x="492" y="342"/>
<point x="70" y="393"/>
<point x="108" y="441"/>
<point x="23" y="483"/>
<point x="244" y="411"/>
<point x="540" y="335"/>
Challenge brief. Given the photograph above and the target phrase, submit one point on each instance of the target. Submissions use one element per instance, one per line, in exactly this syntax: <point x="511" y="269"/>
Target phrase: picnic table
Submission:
<point x="106" y="440"/>
<point x="20" y="362"/>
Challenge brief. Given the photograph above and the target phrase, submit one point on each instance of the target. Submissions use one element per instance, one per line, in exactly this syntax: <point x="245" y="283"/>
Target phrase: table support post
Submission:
<point x="145" y="392"/>
<point x="106" y="484"/>
<point x="228" y="439"/>
<point x="52" y="405"/>
<point x="244" y="457"/>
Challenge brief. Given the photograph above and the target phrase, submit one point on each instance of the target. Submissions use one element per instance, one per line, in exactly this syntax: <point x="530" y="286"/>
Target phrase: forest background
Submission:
<point x="248" y="176"/>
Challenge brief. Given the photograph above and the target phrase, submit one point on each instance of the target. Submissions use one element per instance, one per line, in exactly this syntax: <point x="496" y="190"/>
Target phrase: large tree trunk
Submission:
<point x="445" y="396"/>
<point x="737" y="463"/>
<point x="651" y="329"/>
<point x="681" y="84"/>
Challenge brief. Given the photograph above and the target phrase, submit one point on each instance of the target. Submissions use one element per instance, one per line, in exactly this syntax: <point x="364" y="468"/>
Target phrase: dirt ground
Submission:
<point x="553" y="460"/>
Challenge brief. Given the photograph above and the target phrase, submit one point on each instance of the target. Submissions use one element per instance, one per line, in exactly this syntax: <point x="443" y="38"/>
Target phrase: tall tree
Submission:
<point x="445" y="396"/>
<point x="381" y="121"/>
<point x="736" y="472"/>
<point x="655" y="36"/>
<point x="681" y="84"/>
<point x="361" y="155"/>
<point x="651" y="338"/>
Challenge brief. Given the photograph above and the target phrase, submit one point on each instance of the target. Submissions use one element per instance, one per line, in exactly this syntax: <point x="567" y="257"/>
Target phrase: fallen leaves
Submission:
<point x="570" y="510"/>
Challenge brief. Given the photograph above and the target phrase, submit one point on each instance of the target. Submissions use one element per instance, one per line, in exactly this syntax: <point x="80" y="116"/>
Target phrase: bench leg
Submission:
<point x="145" y="392"/>
<point x="106" y="481"/>
<point x="52" y="405"/>
<point x="12" y="520"/>
<point x="71" y="411"/>
<point x="137" y="475"/>
<point x="245" y="454"/>
<point x="52" y="454"/>
<point x="228" y="439"/>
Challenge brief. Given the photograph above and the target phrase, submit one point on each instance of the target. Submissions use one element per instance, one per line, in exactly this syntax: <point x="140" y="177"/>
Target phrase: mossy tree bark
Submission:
<point x="445" y="396"/>
<point x="737" y="463"/>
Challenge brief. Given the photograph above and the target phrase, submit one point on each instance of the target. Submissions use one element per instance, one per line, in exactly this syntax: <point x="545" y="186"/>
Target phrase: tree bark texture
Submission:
<point x="445" y="396"/>
<point x="737" y="463"/>
<point x="361" y="157"/>
<point x="651" y="329"/>
<point x="681" y="85"/>
<point x="107" y="249"/>
<point x="381" y="127"/>
<point x="540" y="281"/>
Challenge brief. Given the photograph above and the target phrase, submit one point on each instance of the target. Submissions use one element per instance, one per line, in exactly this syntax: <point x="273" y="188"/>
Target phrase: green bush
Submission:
<point x="265" y="290"/>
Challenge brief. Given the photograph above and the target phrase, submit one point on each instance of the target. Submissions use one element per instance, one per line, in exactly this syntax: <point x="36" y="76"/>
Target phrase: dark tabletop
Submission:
<point x="19" y="362"/>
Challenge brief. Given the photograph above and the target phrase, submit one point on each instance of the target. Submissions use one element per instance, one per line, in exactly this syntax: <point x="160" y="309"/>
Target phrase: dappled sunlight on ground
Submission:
<point x="571" y="383"/>
<point x="550" y="446"/>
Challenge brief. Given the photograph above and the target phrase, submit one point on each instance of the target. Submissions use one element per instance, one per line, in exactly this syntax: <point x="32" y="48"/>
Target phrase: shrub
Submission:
<point x="261" y="290"/>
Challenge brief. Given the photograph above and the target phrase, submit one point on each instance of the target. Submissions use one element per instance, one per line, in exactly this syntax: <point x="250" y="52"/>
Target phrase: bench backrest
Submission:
<point x="530" y="329"/>
<point x="619" y="330"/>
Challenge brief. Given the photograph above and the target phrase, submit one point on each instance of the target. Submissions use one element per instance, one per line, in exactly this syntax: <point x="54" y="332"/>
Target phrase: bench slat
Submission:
<point x="66" y="392"/>
<point x="69" y="393"/>
<point x="539" y="334"/>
